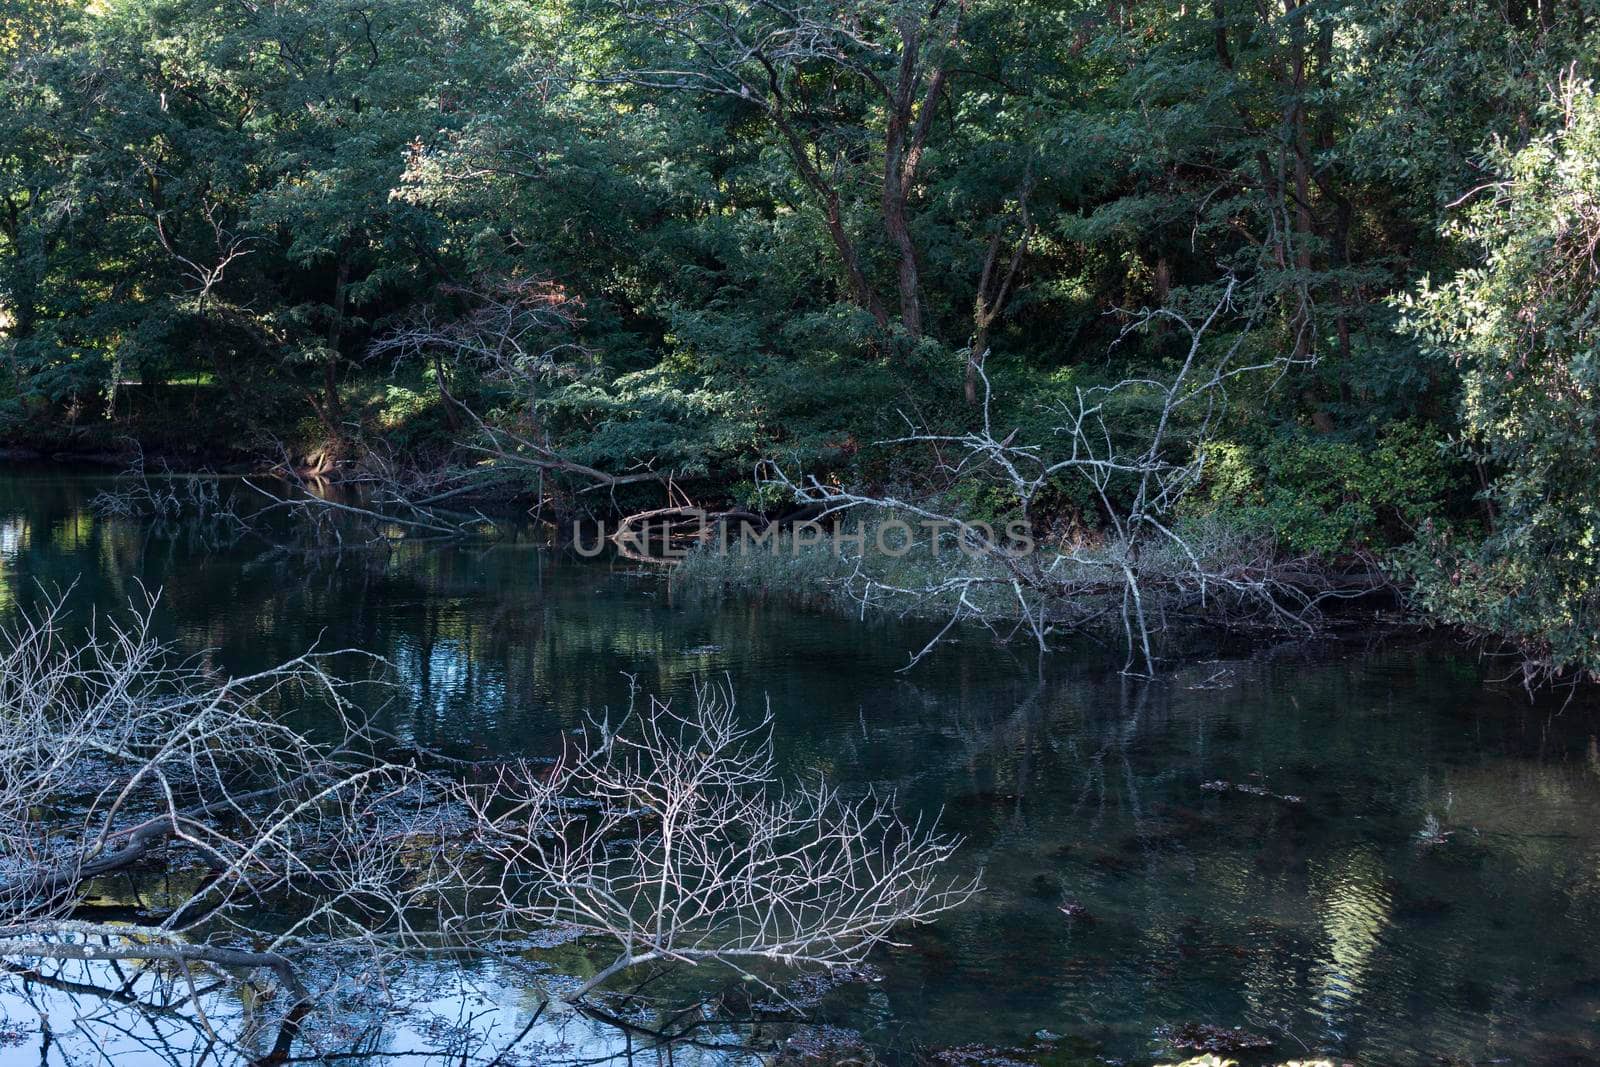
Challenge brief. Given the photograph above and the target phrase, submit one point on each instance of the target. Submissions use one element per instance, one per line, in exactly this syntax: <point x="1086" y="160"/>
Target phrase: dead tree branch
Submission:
<point x="1145" y="566"/>
<point x="142" y="752"/>
<point x="668" y="834"/>
<point x="519" y="334"/>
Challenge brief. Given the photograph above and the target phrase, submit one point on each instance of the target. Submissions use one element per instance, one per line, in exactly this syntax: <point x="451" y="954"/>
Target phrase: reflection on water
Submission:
<point x="459" y="1014"/>
<point x="1129" y="893"/>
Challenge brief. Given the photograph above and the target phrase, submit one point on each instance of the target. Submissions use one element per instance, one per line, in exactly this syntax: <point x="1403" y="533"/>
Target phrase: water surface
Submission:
<point x="1133" y="887"/>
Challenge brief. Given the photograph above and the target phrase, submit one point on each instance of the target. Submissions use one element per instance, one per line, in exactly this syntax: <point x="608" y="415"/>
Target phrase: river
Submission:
<point x="1365" y="848"/>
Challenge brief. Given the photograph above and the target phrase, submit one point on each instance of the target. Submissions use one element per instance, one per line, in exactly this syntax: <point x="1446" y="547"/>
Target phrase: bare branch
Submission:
<point x="1145" y="566"/>
<point x="669" y="834"/>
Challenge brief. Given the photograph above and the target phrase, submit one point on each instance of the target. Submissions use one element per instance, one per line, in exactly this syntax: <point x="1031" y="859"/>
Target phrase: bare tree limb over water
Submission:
<point x="156" y="810"/>
<point x="668" y="834"/>
<point x="116" y="751"/>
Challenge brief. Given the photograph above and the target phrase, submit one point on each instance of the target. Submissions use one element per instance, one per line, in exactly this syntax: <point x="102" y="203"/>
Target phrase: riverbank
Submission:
<point x="878" y="563"/>
<point x="840" y="565"/>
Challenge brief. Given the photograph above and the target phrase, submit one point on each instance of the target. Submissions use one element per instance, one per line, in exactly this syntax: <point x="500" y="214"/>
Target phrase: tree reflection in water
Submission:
<point x="94" y="1012"/>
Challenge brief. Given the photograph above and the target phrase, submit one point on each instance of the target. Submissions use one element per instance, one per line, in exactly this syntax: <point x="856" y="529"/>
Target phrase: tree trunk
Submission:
<point x="332" y="410"/>
<point x="987" y="309"/>
<point x="894" y="219"/>
<point x="906" y="135"/>
<point x="976" y="357"/>
<point x="452" y="418"/>
<point x="861" y="292"/>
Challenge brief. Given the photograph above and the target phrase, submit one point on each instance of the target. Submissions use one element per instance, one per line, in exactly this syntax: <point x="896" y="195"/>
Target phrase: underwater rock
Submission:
<point x="1223" y="786"/>
<point x="824" y="1046"/>
<point x="1047" y="1047"/>
<point x="808" y="990"/>
<point x="553" y="936"/>
<point x="980" y="1056"/>
<point x="1203" y="1037"/>
<point x="1076" y="912"/>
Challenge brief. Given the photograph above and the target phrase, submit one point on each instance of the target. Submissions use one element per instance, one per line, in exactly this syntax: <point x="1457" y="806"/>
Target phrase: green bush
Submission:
<point x="1523" y="325"/>
<point x="1323" y="497"/>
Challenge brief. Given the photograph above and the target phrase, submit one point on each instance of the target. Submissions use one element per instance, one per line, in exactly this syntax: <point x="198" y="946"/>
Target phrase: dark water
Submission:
<point x="1331" y="925"/>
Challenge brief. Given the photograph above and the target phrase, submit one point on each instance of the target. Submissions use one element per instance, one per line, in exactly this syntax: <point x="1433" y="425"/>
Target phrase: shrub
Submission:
<point x="1523" y="325"/>
<point x="1326" y="497"/>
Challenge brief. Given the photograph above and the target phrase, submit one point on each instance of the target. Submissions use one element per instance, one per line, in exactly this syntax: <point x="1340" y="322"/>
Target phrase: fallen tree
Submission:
<point x="119" y="756"/>
<point x="1140" y="446"/>
<point x="154" y="810"/>
<point x="668" y="835"/>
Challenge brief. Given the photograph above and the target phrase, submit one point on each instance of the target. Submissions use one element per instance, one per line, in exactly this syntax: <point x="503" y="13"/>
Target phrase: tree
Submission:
<point x="1523" y="325"/>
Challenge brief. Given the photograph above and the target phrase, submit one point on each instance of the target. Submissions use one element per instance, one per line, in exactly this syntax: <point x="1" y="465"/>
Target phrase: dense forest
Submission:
<point x="656" y="247"/>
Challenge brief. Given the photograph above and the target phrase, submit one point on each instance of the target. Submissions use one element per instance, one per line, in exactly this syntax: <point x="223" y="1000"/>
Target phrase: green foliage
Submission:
<point x="190" y="185"/>
<point x="1325" y="497"/>
<point x="11" y="405"/>
<point x="980" y="502"/>
<point x="1523" y="325"/>
<point x="765" y="268"/>
<point x="1231" y="475"/>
